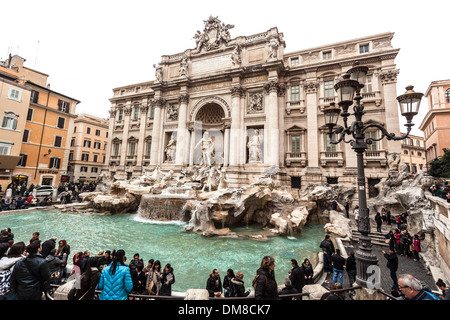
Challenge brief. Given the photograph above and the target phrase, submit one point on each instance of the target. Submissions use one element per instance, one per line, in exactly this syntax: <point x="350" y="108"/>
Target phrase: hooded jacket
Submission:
<point x="238" y="289"/>
<point x="115" y="286"/>
<point x="30" y="277"/>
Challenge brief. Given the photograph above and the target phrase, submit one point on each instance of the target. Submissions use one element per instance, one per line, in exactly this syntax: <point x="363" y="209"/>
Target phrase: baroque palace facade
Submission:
<point x="261" y="107"/>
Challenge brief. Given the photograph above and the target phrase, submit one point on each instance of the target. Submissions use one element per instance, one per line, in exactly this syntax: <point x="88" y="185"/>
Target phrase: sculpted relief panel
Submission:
<point x="212" y="64"/>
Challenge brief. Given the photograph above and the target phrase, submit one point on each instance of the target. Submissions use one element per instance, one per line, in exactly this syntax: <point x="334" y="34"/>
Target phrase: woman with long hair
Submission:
<point x="15" y="253"/>
<point x="167" y="279"/>
<point x="115" y="281"/>
<point x="265" y="285"/>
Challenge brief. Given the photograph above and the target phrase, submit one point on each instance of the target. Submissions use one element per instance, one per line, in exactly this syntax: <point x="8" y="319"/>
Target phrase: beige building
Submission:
<point x="261" y="106"/>
<point x="436" y="124"/>
<point x="413" y="153"/>
<point x="88" y="147"/>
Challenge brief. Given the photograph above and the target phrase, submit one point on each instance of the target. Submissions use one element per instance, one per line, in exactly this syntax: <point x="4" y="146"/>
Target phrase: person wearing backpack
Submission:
<point x="7" y="263"/>
<point x="31" y="276"/>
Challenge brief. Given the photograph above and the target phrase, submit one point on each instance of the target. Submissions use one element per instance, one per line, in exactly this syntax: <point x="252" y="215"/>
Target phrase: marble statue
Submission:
<point x="273" y="48"/>
<point x="158" y="72"/>
<point x="170" y="149"/>
<point x="207" y="148"/>
<point x="184" y="67"/>
<point x="254" y="147"/>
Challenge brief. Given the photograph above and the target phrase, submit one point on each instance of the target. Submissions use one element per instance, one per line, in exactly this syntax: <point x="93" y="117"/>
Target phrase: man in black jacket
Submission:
<point x="392" y="264"/>
<point x="48" y="246"/>
<point x="214" y="284"/>
<point x="297" y="276"/>
<point x="328" y="249"/>
<point x="31" y="276"/>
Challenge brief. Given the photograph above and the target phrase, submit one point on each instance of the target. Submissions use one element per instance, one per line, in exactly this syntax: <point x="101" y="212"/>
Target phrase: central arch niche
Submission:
<point x="209" y="118"/>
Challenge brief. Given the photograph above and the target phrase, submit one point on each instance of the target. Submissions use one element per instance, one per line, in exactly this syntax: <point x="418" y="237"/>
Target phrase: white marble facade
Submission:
<point x="236" y="88"/>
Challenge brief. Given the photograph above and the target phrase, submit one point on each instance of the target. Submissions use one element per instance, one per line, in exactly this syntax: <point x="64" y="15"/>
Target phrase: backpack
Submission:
<point x="5" y="284"/>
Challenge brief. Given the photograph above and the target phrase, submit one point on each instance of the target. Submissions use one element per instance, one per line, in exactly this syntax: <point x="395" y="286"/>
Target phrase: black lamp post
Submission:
<point x="348" y="90"/>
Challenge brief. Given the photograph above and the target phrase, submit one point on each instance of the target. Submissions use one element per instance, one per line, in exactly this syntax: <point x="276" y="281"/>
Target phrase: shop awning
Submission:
<point x="8" y="162"/>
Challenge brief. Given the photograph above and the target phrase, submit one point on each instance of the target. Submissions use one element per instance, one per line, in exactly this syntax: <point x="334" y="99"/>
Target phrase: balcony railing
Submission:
<point x="375" y="156"/>
<point x="296" y="157"/>
<point x="327" y="157"/>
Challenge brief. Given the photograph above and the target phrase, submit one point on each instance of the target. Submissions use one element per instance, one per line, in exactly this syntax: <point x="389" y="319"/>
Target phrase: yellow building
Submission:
<point x="88" y="147"/>
<point x="47" y="130"/>
<point x="413" y="153"/>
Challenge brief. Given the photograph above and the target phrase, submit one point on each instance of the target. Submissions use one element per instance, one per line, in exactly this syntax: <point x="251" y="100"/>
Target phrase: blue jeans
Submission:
<point x="351" y="276"/>
<point x="338" y="274"/>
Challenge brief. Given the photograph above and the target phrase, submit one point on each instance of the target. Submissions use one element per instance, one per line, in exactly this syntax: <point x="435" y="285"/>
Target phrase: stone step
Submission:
<point x="376" y="237"/>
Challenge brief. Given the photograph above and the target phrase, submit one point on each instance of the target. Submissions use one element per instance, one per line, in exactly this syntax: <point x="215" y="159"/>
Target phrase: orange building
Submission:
<point x="413" y="153"/>
<point x="436" y="124"/>
<point x="46" y="135"/>
<point x="14" y="101"/>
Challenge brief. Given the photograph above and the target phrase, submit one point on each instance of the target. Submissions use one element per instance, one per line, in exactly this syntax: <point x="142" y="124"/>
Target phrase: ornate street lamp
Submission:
<point x="348" y="90"/>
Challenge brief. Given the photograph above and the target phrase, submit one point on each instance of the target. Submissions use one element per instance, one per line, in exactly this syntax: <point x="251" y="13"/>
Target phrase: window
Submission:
<point x="138" y="89"/>
<point x="332" y="180"/>
<point x="88" y="130"/>
<point x="58" y="141"/>
<point x="72" y="142"/>
<point x="104" y="158"/>
<point x="120" y="115"/>
<point x="74" y="129"/>
<point x="95" y="158"/>
<point x="61" y="122"/>
<point x="294" y="61"/>
<point x="152" y="113"/>
<point x="23" y="160"/>
<point x="10" y="121"/>
<point x="116" y="149"/>
<point x="96" y="145"/>
<point x="34" y="96"/>
<point x="83" y="169"/>
<point x="85" y="157"/>
<point x="363" y="48"/>
<point x="328" y="87"/>
<point x="418" y="143"/>
<point x="405" y="152"/>
<point x="329" y="146"/>
<point x="94" y="169"/>
<point x="412" y="152"/>
<point x="5" y="148"/>
<point x="447" y="95"/>
<point x="122" y="92"/>
<point x="295" y="143"/>
<point x="372" y="135"/>
<point x="30" y="114"/>
<point x="54" y="163"/>
<point x="97" y="132"/>
<point x="295" y="93"/>
<point x="135" y="113"/>
<point x="14" y="94"/>
<point x="87" y="143"/>
<point x="368" y="84"/>
<point x="26" y="134"/>
<point x="411" y="142"/>
<point x="296" y="182"/>
<point x="419" y="154"/>
<point x="132" y="148"/>
<point x="326" y="55"/>
<point x="70" y="157"/>
<point x="148" y="147"/>
<point x="63" y="106"/>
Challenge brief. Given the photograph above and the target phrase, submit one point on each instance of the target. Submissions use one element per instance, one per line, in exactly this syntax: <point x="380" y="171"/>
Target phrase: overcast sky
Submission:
<point x="90" y="47"/>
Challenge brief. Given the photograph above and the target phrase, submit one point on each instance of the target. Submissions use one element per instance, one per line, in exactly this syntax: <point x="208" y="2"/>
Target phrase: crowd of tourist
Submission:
<point x="28" y="270"/>
<point x="23" y="198"/>
<point x="441" y="191"/>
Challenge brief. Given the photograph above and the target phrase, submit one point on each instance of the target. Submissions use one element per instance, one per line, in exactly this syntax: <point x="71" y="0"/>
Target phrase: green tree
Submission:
<point x="440" y="167"/>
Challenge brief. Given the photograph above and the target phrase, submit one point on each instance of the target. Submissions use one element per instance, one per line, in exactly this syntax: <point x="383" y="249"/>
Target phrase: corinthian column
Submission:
<point x="156" y="133"/>
<point x="182" y="134"/>
<point x="272" y="123"/>
<point x="235" y="127"/>
<point x="126" y="126"/>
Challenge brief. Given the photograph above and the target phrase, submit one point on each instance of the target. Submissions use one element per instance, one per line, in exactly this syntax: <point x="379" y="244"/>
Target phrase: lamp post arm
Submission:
<point x="385" y="133"/>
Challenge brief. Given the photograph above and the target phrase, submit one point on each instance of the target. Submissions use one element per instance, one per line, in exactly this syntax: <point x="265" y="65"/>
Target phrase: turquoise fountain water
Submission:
<point x="192" y="256"/>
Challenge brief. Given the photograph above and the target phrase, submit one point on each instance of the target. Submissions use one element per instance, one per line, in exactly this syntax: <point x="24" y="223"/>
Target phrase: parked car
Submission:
<point x="44" y="191"/>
